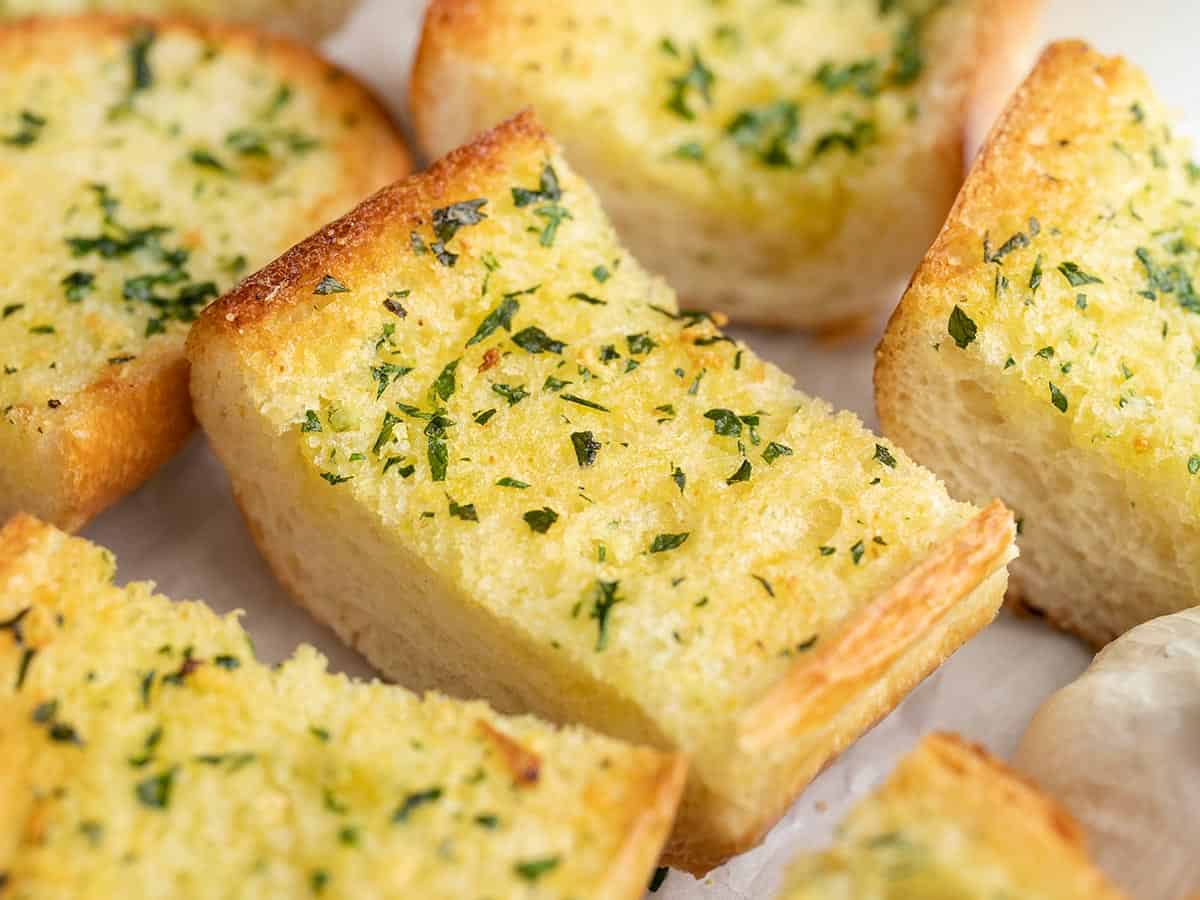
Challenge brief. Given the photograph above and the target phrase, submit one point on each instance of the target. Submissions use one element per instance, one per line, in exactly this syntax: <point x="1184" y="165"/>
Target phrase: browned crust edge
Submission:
<point x="1054" y="75"/>
<point x="881" y="632"/>
<point x="1005" y="788"/>
<point x="19" y="536"/>
<point x="1057" y="62"/>
<point x="988" y="795"/>
<point x="649" y="829"/>
<point x="116" y="432"/>
<point x="403" y="205"/>
<point x="815" y="688"/>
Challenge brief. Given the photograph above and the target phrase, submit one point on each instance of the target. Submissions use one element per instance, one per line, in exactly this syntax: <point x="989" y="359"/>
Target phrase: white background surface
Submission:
<point x="183" y="530"/>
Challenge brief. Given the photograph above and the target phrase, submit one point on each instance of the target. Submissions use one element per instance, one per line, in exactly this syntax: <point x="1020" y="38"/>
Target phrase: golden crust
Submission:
<point x="970" y="772"/>
<point x="952" y="811"/>
<point x="105" y="440"/>
<point x="650" y="828"/>
<point x="397" y="208"/>
<point x="881" y="633"/>
<point x="869" y="650"/>
<point x="1001" y="171"/>
<point x="117" y="433"/>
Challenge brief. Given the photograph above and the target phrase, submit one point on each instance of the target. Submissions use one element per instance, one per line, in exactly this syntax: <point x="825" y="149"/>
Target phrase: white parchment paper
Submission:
<point x="183" y="530"/>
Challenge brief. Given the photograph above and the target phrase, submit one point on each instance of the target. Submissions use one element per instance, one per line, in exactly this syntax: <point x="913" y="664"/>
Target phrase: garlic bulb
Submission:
<point x="1120" y="748"/>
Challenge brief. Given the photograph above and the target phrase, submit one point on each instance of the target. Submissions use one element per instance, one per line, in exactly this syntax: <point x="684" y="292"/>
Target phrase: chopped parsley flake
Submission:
<point x="640" y="344"/>
<point x="695" y="82"/>
<point x="604" y="598"/>
<point x="385" y="374"/>
<point x="28" y="131"/>
<point x="554" y="215"/>
<point x="1076" y="276"/>
<point x="449" y="219"/>
<point x="725" y="422"/>
<point x="742" y="474"/>
<point x="540" y="520"/>
<point x="1058" y="398"/>
<point x="664" y="542"/>
<point x="500" y="317"/>
<point x="155" y="792"/>
<point x="465" y="511"/>
<point x="534" y="340"/>
<point x="445" y="385"/>
<point x="962" y="328"/>
<point x="774" y="451"/>
<point x="78" y="285"/>
<point x="586" y="448"/>
<point x="548" y="190"/>
<point x="571" y="398"/>
<point x="533" y="869"/>
<point x="679" y="478"/>
<point x="330" y="285"/>
<point x="513" y="395"/>
<point x="415" y="801"/>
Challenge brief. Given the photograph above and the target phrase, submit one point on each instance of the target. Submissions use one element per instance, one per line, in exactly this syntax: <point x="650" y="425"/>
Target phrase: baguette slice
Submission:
<point x="310" y="20"/>
<point x="759" y="155"/>
<point x="1047" y="349"/>
<point x="143" y="170"/>
<point x="953" y="823"/>
<point x="474" y="436"/>
<point x="148" y="754"/>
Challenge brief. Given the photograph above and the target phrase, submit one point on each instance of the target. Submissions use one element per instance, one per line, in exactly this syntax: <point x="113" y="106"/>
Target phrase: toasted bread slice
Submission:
<point x="954" y="823"/>
<point x="143" y="170"/>
<point x="307" y="19"/>
<point x="758" y="155"/>
<point x="1047" y="348"/>
<point x="153" y="756"/>
<point x="474" y="436"/>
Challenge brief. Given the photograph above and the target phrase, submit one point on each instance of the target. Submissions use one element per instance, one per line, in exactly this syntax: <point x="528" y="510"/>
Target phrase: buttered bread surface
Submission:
<point x="748" y="151"/>
<point x="553" y="461"/>
<point x="149" y="754"/>
<point x="1049" y="348"/>
<point x="144" y="169"/>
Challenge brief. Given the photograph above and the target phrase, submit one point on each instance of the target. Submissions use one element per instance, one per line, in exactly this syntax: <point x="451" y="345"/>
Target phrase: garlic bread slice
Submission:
<point x="786" y="163"/>
<point x="952" y="822"/>
<point x="144" y="169"/>
<point x="148" y="754"/>
<point x="473" y="435"/>
<point x="307" y="19"/>
<point x="1048" y="348"/>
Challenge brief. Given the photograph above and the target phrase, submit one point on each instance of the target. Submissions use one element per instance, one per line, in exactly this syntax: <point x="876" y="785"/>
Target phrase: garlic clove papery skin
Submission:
<point x="1120" y="749"/>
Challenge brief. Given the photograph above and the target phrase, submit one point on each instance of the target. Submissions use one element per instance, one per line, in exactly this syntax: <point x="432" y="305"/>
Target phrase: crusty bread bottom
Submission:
<point x="1098" y="554"/>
